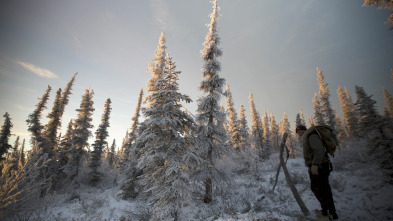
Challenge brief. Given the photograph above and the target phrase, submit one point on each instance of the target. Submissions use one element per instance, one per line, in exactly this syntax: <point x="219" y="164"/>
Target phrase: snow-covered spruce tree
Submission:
<point x="211" y="138"/>
<point x="65" y="146"/>
<point x="80" y="135"/>
<point x="130" y="138"/>
<point x="233" y="122"/>
<point x="33" y="121"/>
<point x="167" y="137"/>
<point x="111" y="155"/>
<point x="273" y="132"/>
<point x="373" y="127"/>
<point x="310" y="121"/>
<point x="22" y="156"/>
<point x="318" y="116"/>
<point x="156" y="68"/>
<point x="243" y="129"/>
<point x="99" y="144"/>
<point x="13" y="157"/>
<point x="266" y="134"/>
<point x="256" y="131"/>
<point x="326" y="108"/>
<point x="66" y="93"/>
<point x="369" y="118"/>
<point x="302" y="121"/>
<point x="340" y="130"/>
<point x="5" y="134"/>
<point x="54" y="123"/>
<point x="50" y="129"/>
<point x="348" y="111"/>
<point x="388" y="100"/>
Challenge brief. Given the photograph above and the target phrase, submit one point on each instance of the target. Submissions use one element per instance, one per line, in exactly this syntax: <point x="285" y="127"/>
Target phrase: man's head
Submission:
<point x="300" y="130"/>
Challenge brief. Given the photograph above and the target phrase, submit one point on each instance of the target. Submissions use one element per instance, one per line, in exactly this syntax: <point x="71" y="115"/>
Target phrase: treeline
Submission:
<point x="172" y="157"/>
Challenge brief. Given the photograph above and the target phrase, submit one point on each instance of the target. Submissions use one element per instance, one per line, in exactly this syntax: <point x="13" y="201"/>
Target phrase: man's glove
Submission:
<point x="314" y="169"/>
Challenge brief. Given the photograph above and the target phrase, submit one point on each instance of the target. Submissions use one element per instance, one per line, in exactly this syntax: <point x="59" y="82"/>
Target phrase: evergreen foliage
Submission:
<point x="348" y="110"/>
<point x="209" y="118"/>
<point x="318" y="116"/>
<point x="80" y="134"/>
<point x="256" y="128"/>
<point x="50" y="129"/>
<point x="326" y="108"/>
<point x="233" y="122"/>
<point x="243" y="128"/>
<point x="111" y="157"/>
<point x="166" y="155"/>
<point x="274" y="132"/>
<point x="266" y="134"/>
<point x="129" y="140"/>
<point x="65" y="145"/>
<point x="5" y="134"/>
<point x="33" y="121"/>
<point x="365" y="107"/>
<point x="22" y="156"/>
<point x="99" y="144"/>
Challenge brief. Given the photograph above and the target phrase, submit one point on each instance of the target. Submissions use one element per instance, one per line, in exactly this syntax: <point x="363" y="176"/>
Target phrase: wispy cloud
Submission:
<point x="42" y="72"/>
<point x="162" y="15"/>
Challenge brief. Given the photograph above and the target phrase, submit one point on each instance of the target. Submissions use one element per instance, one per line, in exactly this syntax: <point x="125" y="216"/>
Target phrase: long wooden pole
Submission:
<point x="299" y="200"/>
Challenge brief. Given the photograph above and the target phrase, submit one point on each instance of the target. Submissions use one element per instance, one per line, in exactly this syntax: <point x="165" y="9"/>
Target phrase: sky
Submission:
<point x="271" y="49"/>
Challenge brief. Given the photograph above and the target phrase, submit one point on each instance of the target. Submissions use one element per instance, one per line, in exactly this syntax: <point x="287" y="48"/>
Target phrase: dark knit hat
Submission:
<point x="300" y="127"/>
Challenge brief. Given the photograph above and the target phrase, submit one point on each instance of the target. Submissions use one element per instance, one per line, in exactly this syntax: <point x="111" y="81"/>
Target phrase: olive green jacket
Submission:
<point x="313" y="150"/>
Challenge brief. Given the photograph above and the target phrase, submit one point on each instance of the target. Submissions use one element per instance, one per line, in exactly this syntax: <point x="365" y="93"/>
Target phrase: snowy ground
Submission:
<point x="361" y="190"/>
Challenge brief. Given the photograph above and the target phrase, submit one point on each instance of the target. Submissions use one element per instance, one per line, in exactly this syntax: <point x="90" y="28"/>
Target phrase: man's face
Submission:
<point x="300" y="133"/>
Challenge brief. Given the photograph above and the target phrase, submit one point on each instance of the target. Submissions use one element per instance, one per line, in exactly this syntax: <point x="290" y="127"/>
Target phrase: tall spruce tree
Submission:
<point x="5" y="134"/>
<point x="13" y="157"/>
<point x="165" y="173"/>
<point x="99" y="144"/>
<point x="211" y="137"/>
<point x="340" y="130"/>
<point x="33" y="121"/>
<point x="256" y="128"/>
<point x="55" y="116"/>
<point x="348" y="111"/>
<point x="369" y="119"/>
<point x="318" y="116"/>
<point x="326" y="108"/>
<point x="131" y="136"/>
<point x="65" y="145"/>
<point x="111" y="157"/>
<point x="273" y="132"/>
<point x="50" y="129"/>
<point x="243" y="128"/>
<point x="66" y="93"/>
<point x="80" y="135"/>
<point x="22" y="156"/>
<point x="233" y="122"/>
<point x="266" y="133"/>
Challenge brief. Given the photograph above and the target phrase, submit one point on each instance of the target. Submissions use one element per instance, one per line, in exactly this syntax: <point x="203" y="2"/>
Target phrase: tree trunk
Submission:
<point x="299" y="200"/>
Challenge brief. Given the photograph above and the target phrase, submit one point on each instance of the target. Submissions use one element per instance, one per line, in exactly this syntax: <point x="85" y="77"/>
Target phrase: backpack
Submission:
<point x="328" y="137"/>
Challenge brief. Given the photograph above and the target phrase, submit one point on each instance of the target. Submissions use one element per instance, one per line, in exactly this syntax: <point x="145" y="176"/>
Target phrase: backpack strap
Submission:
<point x="323" y="142"/>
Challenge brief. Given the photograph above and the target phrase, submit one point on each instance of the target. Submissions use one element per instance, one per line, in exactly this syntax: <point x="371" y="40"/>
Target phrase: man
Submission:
<point x="317" y="161"/>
